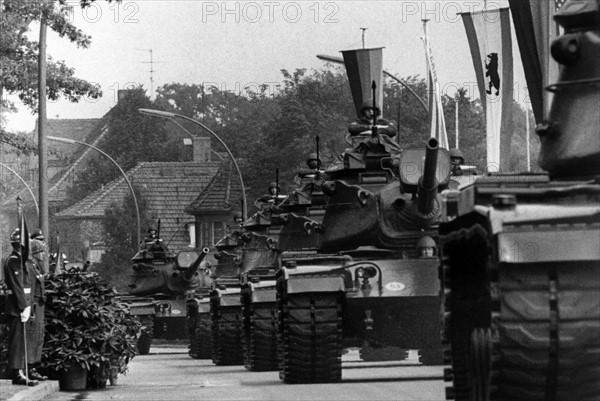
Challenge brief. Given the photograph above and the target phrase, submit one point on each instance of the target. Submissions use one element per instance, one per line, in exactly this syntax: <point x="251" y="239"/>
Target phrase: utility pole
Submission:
<point x="43" y="163"/>
<point x="456" y="121"/>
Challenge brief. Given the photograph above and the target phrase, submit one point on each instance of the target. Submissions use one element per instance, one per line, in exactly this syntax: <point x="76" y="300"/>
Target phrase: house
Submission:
<point x="214" y="208"/>
<point x="167" y="188"/>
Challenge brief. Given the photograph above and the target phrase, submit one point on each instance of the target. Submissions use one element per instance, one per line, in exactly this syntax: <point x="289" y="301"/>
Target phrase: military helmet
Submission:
<point x="38" y="234"/>
<point x="37" y="246"/>
<point x="426" y="242"/>
<point x="312" y="156"/>
<point x="456" y="153"/>
<point x="15" y="237"/>
<point x="368" y="104"/>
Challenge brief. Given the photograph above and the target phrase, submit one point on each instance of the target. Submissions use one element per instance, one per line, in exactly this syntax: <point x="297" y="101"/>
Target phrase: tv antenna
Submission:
<point x="152" y="70"/>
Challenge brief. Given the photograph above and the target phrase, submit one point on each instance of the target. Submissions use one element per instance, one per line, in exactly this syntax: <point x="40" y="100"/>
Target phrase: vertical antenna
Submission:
<point x="318" y="153"/>
<point x="152" y="70"/>
<point x="456" y="121"/>
<point x="363" y="36"/>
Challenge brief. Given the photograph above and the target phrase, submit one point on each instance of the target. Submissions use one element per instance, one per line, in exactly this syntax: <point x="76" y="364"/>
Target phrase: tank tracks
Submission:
<point x="541" y="319"/>
<point x="199" y="329"/>
<point x="145" y="340"/>
<point x="226" y="331"/>
<point x="310" y="336"/>
<point x="260" y="335"/>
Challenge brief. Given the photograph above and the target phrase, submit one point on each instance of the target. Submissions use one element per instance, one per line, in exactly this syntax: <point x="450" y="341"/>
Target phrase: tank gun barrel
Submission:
<point x="428" y="184"/>
<point x="189" y="273"/>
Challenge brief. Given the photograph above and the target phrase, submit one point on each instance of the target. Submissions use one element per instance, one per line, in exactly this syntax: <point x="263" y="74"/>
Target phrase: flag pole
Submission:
<point x="527" y="139"/>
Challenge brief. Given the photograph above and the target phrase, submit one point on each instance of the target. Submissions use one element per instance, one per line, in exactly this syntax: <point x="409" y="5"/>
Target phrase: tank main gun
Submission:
<point x="428" y="183"/>
<point x="188" y="274"/>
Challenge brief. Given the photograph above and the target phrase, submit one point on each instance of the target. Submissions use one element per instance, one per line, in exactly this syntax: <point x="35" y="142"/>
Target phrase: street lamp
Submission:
<point x="171" y="117"/>
<point x="24" y="183"/>
<point x="137" y="210"/>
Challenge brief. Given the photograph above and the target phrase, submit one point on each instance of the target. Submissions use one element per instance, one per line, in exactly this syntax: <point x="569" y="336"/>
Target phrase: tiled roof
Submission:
<point x="223" y="193"/>
<point x="64" y="156"/>
<point x="77" y="129"/>
<point x="167" y="187"/>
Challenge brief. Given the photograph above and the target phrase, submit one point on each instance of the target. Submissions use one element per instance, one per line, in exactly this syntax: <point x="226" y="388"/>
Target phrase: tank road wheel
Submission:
<point x="480" y="354"/>
<point x="226" y="327"/>
<point x="145" y="340"/>
<point x="191" y="328"/>
<point x="466" y="304"/>
<point x="200" y="337"/>
<point x="310" y="330"/>
<point x="260" y="335"/>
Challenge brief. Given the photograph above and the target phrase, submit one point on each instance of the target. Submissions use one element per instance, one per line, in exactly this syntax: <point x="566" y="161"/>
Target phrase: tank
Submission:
<point x="198" y="314"/>
<point x="366" y="287"/>
<point x="158" y="288"/>
<point x="299" y="212"/>
<point x="519" y="253"/>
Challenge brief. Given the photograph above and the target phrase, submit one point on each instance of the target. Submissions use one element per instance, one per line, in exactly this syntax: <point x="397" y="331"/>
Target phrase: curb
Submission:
<point x="36" y="393"/>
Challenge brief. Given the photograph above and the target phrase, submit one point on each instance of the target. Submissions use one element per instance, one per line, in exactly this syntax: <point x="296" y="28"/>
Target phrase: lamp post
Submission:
<point x="24" y="183"/>
<point x="171" y="117"/>
<point x="137" y="210"/>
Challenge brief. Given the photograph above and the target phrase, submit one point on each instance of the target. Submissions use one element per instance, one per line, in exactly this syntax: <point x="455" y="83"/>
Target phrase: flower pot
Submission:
<point x="72" y="379"/>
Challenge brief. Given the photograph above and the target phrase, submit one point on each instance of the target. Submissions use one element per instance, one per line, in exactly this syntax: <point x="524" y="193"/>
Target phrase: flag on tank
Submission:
<point x="488" y="33"/>
<point x="436" y="110"/>
<point x="535" y="29"/>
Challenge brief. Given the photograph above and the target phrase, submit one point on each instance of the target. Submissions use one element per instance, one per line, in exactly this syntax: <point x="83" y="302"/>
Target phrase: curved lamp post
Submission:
<point x="137" y="210"/>
<point x="24" y="183"/>
<point x="171" y="117"/>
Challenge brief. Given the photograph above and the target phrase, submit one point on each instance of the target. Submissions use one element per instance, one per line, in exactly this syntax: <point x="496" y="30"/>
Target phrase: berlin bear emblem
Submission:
<point x="492" y="72"/>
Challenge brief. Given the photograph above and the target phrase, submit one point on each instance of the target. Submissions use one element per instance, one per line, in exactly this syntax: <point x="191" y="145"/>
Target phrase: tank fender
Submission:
<point x="300" y="283"/>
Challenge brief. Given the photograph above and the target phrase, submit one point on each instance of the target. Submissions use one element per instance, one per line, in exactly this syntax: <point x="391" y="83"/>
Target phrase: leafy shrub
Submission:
<point x="87" y="326"/>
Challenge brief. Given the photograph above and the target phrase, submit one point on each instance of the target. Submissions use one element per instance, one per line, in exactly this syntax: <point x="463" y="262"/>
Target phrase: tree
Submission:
<point x="119" y="228"/>
<point x="18" y="54"/>
<point x="132" y="138"/>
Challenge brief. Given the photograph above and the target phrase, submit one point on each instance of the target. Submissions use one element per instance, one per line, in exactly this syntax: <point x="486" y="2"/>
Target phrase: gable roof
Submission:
<point x="167" y="187"/>
<point x="222" y="194"/>
<point x="63" y="158"/>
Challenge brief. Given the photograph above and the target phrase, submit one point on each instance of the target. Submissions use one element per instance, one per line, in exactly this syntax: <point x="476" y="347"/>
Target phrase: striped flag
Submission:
<point x="535" y="29"/>
<point x="23" y="231"/>
<point x="489" y="38"/>
<point x="436" y="110"/>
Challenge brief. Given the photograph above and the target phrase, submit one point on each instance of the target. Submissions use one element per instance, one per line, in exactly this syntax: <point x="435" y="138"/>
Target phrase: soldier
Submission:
<point x="426" y="247"/>
<point x="18" y="309"/>
<point x="456" y="159"/>
<point x="365" y="123"/>
<point x="35" y="326"/>
<point x="313" y="162"/>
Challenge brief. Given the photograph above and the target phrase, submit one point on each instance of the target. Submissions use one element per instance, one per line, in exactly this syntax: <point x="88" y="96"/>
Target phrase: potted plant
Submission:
<point x="86" y="330"/>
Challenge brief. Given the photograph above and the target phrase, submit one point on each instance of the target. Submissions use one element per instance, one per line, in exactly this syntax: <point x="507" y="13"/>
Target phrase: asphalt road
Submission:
<point x="170" y="374"/>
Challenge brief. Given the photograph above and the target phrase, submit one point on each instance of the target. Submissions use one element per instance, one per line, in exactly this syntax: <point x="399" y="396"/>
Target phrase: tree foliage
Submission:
<point x="19" y="54"/>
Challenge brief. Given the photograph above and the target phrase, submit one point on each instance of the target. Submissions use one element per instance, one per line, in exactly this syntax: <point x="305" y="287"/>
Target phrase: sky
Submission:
<point x="235" y="45"/>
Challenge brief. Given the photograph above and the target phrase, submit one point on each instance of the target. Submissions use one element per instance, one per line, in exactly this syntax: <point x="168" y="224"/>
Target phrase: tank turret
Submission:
<point x="173" y="277"/>
<point x="571" y="135"/>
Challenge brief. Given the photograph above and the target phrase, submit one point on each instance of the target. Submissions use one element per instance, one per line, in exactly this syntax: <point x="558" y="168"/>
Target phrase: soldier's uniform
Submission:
<point x="18" y="281"/>
<point x="35" y="325"/>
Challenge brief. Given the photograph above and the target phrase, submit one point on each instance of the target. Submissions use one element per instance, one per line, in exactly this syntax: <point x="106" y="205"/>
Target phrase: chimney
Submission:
<point x="121" y="93"/>
<point x="201" y="149"/>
